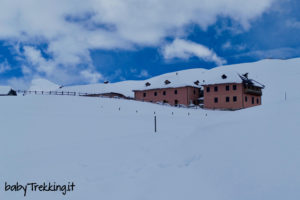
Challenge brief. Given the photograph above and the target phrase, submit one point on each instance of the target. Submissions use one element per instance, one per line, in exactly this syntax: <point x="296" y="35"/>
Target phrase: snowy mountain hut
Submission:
<point x="232" y="91"/>
<point x="173" y="92"/>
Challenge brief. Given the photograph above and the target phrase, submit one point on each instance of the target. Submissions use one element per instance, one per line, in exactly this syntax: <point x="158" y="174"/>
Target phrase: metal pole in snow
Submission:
<point x="285" y="95"/>
<point x="155" y="128"/>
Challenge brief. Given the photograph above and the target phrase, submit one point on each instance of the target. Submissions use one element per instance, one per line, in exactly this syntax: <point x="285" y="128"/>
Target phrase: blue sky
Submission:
<point x="79" y="42"/>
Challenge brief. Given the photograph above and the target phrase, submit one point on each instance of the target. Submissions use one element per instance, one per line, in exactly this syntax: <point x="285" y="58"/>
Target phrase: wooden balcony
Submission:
<point x="256" y="92"/>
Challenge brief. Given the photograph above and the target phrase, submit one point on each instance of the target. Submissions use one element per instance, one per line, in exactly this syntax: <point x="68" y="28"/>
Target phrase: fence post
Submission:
<point x="285" y="96"/>
<point x="155" y="124"/>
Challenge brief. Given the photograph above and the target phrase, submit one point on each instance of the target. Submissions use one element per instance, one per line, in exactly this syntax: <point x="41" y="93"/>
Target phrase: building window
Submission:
<point x="227" y="87"/>
<point x="252" y="100"/>
<point x="234" y="98"/>
<point x="175" y="92"/>
<point x="246" y="98"/>
<point x="144" y="95"/>
<point x="176" y="102"/>
<point x="208" y="89"/>
<point x="257" y="101"/>
<point x="165" y="101"/>
<point x="216" y="99"/>
<point x="155" y="93"/>
<point x="216" y="89"/>
<point x="227" y="99"/>
<point x="164" y="92"/>
<point x="234" y="87"/>
<point x="194" y="91"/>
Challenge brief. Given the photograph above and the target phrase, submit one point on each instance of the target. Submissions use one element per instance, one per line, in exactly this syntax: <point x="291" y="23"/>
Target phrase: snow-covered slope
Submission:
<point x="4" y="90"/>
<point x="124" y="88"/>
<point x="42" y="85"/>
<point x="272" y="73"/>
<point x="109" y="149"/>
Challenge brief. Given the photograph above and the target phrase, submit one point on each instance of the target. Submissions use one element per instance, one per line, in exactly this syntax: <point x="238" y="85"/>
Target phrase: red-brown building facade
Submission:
<point x="185" y="95"/>
<point x="235" y="95"/>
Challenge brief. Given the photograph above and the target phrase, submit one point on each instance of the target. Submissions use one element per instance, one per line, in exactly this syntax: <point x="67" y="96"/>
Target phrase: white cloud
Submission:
<point x="35" y="58"/>
<point x="293" y="24"/>
<point x="55" y="70"/>
<point x="228" y="46"/>
<point x="279" y="53"/>
<point x="26" y="70"/>
<point x="19" y="83"/>
<point x="129" y="22"/>
<point x="93" y="77"/>
<point x="144" y="74"/>
<point x="186" y="49"/>
<point x="4" y="67"/>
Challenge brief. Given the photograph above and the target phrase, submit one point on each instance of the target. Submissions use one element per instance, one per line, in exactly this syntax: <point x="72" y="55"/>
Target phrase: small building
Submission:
<point x="7" y="91"/>
<point x="232" y="91"/>
<point x="108" y="95"/>
<point x="170" y="92"/>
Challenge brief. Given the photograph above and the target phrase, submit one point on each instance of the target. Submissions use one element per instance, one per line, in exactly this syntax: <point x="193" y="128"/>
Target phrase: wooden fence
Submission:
<point x="24" y="92"/>
<point x="85" y="94"/>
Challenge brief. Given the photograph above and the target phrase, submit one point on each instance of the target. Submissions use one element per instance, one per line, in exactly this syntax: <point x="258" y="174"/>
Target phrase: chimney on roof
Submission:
<point x="246" y="75"/>
<point x="147" y="84"/>
<point x="197" y="82"/>
<point x="224" y="76"/>
<point x="167" y="82"/>
<point x="176" y="73"/>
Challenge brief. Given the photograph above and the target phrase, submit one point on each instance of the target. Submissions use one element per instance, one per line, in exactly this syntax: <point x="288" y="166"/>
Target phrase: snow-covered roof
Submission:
<point x="4" y="90"/>
<point x="174" y="80"/>
<point x="230" y="77"/>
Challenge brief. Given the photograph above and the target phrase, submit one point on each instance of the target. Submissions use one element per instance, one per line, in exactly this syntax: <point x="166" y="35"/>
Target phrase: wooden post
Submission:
<point x="155" y="125"/>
